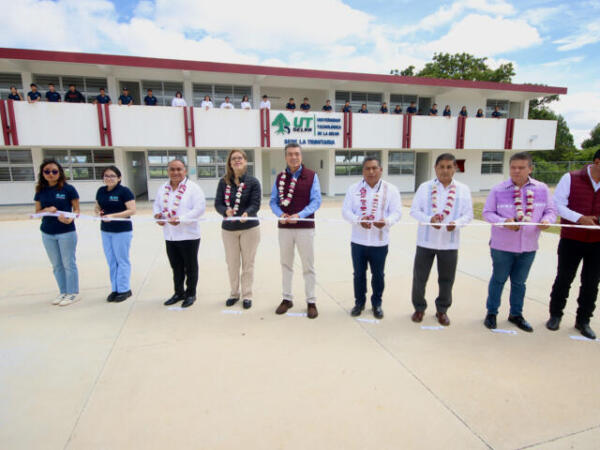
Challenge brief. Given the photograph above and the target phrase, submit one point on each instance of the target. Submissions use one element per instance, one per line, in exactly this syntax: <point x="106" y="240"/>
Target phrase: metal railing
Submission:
<point x="550" y="172"/>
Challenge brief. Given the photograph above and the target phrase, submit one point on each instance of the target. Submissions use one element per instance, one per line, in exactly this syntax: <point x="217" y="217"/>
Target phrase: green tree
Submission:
<point x="408" y="72"/>
<point x="564" y="147"/>
<point x="594" y="138"/>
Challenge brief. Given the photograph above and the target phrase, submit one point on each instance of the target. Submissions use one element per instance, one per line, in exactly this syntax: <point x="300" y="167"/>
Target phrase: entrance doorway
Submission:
<point x="136" y="173"/>
<point x="134" y="91"/>
<point x="422" y="170"/>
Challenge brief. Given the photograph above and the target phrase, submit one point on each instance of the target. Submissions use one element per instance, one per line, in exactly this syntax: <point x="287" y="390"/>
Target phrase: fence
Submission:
<point x="550" y="171"/>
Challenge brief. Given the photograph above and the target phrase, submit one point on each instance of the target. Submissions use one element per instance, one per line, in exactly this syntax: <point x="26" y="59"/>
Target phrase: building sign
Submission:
<point x="307" y="129"/>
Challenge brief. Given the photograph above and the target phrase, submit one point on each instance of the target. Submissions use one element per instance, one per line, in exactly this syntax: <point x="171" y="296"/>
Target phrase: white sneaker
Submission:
<point x="59" y="298"/>
<point x="69" y="298"/>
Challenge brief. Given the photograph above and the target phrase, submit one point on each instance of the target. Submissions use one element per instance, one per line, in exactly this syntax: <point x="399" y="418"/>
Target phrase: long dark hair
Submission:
<point x="42" y="183"/>
<point x="229" y="176"/>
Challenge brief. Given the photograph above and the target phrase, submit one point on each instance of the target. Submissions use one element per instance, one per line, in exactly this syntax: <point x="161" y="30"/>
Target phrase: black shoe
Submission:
<point x="122" y="296"/>
<point x="378" y="312"/>
<point x="111" y="296"/>
<point x="247" y="304"/>
<point x="520" y="322"/>
<point x="586" y="330"/>
<point x="490" y="321"/>
<point x="553" y="323"/>
<point x="176" y="298"/>
<point x="357" y="310"/>
<point x="231" y="301"/>
<point x="189" y="301"/>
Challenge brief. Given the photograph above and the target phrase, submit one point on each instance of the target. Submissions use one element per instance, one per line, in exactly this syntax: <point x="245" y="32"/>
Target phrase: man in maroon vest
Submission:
<point x="577" y="197"/>
<point x="296" y="194"/>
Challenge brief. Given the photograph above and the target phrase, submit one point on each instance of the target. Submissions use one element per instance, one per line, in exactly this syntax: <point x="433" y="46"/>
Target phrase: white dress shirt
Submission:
<point x="265" y="104"/>
<point x="561" y="196"/>
<point x="422" y="210"/>
<point x="178" y="102"/>
<point x="389" y="208"/>
<point x="246" y="105"/>
<point x="192" y="206"/>
<point x="226" y="105"/>
<point x="206" y="104"/>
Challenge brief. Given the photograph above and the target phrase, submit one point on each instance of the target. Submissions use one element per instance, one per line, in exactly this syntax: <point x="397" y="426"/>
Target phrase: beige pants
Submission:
<point x="303" y="238"/>
<point x="240" y="247"/>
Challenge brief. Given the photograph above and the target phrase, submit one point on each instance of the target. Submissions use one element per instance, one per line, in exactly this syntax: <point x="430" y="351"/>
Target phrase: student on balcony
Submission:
<point x="206" y="103"/>
<point x="291" y="105"/>
<point x="150" y="99"/>
<point x="496" y="114"/>
<point x="347" y="108"/>
<point x="412" y="109"/>
<point x="34" y="96"/>
<point x="14" y="94"/>
<point x="479" y="113"/>
<point x="447" y="113"/>
<point x="305" y="106"/>
<point x="245" y="103"/>
<point x="398" y="109"/>
<point x="73" y="95"/>
<point x="102" y="98"/>
<point x="227" y="104"/>
<point x="463" y="112"/>
<point x="266" y="103"/>
<point x="433" y="111"/>
<point x="327" y="106"/>
<point x="363" y="109"/>
<point x="384" y="108"/>
<point x="178" y="100"/>
<point x="52" y="96"/>
<point x="125" y="98"/>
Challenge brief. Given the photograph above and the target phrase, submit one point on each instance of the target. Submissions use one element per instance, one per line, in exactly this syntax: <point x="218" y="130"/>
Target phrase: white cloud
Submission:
<point x="539" y="16"/>
<point x="581" y="111"/>
<point x="483" y="35"/>
<point x="589" y="34"/>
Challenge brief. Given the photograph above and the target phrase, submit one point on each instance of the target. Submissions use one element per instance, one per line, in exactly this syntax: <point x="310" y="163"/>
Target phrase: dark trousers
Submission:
<point x="375" y="258"/>
<point x="446" y="266"/>
<point x="570" y="255"/>
<point x="183" y="257"/>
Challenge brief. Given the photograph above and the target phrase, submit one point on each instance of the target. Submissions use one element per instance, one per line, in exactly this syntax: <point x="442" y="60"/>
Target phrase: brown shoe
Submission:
<point x="418" y="316"/>
<point x="312" y="311"/>
<point x="284" y="306"/>
<point x="442" y="318"/>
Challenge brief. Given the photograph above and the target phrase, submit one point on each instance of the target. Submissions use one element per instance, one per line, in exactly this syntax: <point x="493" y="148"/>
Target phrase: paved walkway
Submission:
<point x="138" y="375"/>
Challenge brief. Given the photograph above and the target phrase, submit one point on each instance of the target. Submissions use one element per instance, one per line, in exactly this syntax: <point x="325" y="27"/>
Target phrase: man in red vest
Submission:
<point x="296" y="194"/>
<point x="577" y="197"/>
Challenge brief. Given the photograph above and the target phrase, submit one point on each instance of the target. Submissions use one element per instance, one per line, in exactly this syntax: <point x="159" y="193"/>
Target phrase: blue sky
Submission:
<point x="550" y="42"/>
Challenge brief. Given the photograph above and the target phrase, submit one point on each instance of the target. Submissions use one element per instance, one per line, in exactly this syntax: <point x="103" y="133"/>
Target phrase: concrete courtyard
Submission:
<point x="139" y="375"/>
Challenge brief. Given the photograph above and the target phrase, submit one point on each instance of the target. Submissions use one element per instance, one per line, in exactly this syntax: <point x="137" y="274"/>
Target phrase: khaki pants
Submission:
<point x="240" y="246"/>
<point x="303" y="238"/>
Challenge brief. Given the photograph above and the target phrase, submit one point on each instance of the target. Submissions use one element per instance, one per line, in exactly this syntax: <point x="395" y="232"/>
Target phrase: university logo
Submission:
<point x="282" y="123"/>
<point x="301" y="124"/>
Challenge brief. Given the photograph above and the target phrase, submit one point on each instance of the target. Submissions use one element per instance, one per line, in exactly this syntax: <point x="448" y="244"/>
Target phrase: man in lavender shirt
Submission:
<point x="513" y="246"/>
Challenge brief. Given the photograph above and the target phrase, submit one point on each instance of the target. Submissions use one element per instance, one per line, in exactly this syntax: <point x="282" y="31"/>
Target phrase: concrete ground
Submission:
<point x="138" y="375"/>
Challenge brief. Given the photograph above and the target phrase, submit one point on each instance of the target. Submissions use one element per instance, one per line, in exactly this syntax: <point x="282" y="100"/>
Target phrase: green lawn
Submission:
<point x="478" y="209"/>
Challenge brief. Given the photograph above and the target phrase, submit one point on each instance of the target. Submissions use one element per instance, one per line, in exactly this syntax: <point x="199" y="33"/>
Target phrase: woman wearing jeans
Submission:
<point x="53" y="194"/>
<point x="114" y="201"/>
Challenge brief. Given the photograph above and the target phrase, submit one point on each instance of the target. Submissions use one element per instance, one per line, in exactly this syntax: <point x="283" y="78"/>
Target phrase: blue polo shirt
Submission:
<point x="290" y="106"/>
<point x="305" y="106"/>
<point x="398" y="111"/>
<point x="150" y="101"/>
<point x="463" y="113"/>
<point x="433" y="111"/>
<point x="479" y="114"/>
<point x="496" y="114"/>
<point x="114" y="202"/>
<point x="53" y="96"/>
<point x="125" y="99"/>
<point x="363" y="111"/>
<point x="411" y="110"/>
<point x="327" y="107"/>
<point x="61" y="200"/>
<point x="383" y="110"/>
<point x="34" y="95"/>
<point x="447" y="113"/>
<point x="13" y="97"/>
<point x="102" y="99"/>
<point x="347" y="108"/>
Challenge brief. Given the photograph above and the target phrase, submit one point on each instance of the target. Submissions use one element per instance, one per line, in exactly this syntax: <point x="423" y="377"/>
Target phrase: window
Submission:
<point x="164" y="91"/>
<point x="82" y="164"/>
<point x="16" y="165"/>
<point x="404" y="100"/>
<point x="218" y="92"/>
<point x="211" y="163"/>
<point x="492" y="162"/>
<point x="88" y="86"/>
<point x="401" y="163"/>
<point x="158" y="160"/>
<point x="11" y="79"/>
<point x="502" y="105"/>
<point x="349" y="163"/>
<point x="356" y="99"/>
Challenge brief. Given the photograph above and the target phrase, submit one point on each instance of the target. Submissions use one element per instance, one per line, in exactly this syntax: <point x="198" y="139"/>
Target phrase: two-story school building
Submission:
<point x="141" y="139"/>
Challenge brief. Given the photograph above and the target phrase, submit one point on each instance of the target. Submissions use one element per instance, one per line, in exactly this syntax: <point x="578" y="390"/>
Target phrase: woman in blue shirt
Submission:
<point x="479" y="113"/>
<point x="53" y="194"/>
<point x="447" y="112"/>
<point x="463" y="111"/>
<point x="115" y="201"/>
<point x="14" y="94"/>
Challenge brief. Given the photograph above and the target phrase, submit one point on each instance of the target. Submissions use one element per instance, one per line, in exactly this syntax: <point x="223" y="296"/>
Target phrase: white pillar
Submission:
<point x="525" y="109"/>
<point x="113" y="88"/>
<point x="188" y="92"/>
<point x="256" y="96"/>
<point x="27" y="78"/>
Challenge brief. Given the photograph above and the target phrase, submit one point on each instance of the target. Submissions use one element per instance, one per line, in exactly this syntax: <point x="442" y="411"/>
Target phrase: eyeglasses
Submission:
<point x="237" y="158"/>
<point x="110" y="176"/>
<point x="53" y="172"/>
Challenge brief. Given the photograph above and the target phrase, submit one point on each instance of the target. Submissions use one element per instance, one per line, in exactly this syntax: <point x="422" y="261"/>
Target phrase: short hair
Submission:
<point x="102" y="89"/>
<point x="50" y="84"/>
<point x="33" y="85"/>
<point x="265" y="96"/>
<point x="291" y="98"/>
<point x="445" y="157"/>
<point x="305" y="98"/>
<point x="226" y="97"/>
<point x="13" y="87"/>
<point x="291" y="145"/>
<point x="177" y="159"/>
<point x="371" y="158"/>
<point x="521" y="156"/>
<point x="72" y="84"/>
<point x="149" y="90"/>
<point x="327" y="101"/>
<point x="412" y="102"/>
<point x="597" y="154"/>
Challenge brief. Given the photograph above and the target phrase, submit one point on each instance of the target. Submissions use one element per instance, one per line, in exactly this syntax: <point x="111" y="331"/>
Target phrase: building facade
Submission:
<point x="141" y="139"/>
